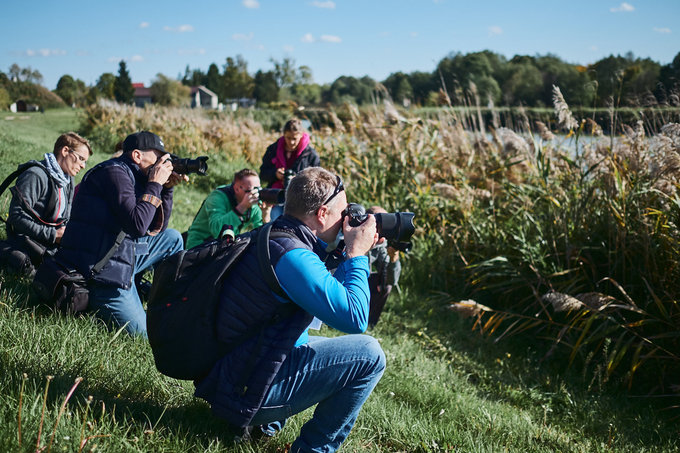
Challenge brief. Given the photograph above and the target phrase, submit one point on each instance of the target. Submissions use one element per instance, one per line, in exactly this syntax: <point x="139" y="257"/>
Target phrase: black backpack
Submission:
<point x="184" y="299"/>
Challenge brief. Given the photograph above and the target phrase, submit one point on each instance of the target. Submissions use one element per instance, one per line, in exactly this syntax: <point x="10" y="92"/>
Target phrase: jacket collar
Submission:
<point x="302" y="231"/>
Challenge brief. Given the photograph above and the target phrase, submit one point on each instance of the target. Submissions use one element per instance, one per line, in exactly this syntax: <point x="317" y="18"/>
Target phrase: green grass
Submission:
<point x="446" y="388"/>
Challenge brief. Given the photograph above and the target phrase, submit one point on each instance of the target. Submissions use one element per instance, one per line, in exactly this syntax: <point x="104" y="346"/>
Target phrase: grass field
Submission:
<point x="445" y="389"/>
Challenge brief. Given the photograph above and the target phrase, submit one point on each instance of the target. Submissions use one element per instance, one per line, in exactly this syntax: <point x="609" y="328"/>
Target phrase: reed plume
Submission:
<point x="565" y="119"/>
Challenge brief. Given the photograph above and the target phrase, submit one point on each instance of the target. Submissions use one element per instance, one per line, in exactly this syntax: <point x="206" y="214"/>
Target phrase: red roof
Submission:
<point x="138" y="85"/>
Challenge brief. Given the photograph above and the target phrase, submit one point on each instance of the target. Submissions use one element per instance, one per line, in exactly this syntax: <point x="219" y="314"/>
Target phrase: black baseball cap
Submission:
<point x="142" y="141"/>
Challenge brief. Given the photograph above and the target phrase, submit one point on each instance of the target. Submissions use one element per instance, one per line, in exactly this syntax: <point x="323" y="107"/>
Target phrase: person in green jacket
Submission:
<point x="233" y="207"/>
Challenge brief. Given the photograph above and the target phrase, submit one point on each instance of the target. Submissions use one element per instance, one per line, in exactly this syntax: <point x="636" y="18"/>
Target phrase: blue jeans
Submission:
<point x="337" y="373"/>
<point x="122" y="307"/>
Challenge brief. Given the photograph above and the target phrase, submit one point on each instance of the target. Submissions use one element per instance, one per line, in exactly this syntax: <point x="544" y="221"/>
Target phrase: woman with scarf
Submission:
<point x="291" y="151"/>
<point x="42" y="197"/>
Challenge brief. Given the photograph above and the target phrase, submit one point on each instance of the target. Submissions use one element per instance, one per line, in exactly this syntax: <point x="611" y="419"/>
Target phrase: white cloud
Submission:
<point x="242" y="36"/>
<point x="252" y="4"/>
<point x="114" y="59"/>
<point x="593" y="48"/>
<point x="45" y="52"/>
<point x="623" y="8"/>
<point x="289" y="49"/>
<point x="180" y="29"/>
<point x="137" y="58"/>
<point x="664" y="30"/>
<point x="327" y="5"/>
<point x="309" y="38"/>
<point x="330" y="38"/>
<point x="495" y="30"/>
<point x="413" y="34"/>
<point x="144" y="25"/>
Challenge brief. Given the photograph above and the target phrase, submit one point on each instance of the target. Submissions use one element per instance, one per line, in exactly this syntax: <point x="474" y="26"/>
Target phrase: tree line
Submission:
<point x="484" y="78"/>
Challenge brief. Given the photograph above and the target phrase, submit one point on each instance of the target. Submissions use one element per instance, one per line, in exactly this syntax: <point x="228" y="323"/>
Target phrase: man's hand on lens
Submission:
<point x="174" y="179"/>
<point x="360" y="239"/>
<point x="160" y="172"/>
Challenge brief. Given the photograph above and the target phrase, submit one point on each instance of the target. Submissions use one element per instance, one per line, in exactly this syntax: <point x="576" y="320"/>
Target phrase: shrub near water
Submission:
<point x="524" y="222"/>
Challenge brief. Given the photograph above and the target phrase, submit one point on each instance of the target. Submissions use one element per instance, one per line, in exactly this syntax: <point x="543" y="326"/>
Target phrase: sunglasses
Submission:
<point x="339" y="187"/>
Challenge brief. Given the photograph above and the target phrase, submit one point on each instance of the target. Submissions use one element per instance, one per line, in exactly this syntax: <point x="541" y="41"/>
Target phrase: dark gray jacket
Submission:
<point x="33" y="191"/>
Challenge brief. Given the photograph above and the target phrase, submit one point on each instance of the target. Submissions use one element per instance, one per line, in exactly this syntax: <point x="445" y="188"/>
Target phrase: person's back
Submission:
<point x="279" y="369"/>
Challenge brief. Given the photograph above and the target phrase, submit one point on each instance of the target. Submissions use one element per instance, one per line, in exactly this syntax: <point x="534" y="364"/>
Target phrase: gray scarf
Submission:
<point x="61" y="178"/>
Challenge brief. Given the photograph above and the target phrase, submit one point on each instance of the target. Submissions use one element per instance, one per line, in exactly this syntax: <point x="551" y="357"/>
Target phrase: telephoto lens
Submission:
<point x="396" y="227"/>
<point x="272" y="196"/>
<point x="185" y="166"/>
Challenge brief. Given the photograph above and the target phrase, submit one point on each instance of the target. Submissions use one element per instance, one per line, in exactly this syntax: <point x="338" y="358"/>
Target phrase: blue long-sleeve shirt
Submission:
<point x="340" y="300"/>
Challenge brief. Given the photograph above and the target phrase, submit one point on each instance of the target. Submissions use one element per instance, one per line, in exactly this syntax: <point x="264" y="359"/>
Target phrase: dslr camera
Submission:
<point x="396" y="227"/>
<point x="277" y="196"/>
<point x="185" y="166"/>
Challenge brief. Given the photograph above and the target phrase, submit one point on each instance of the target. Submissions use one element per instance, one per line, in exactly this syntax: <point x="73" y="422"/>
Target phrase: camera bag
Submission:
<point x="64" y="287"/>
<point x="184" y="299"/>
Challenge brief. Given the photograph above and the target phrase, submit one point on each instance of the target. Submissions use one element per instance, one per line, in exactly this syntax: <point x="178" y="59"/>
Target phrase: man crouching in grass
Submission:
<point x="281" y="370"/>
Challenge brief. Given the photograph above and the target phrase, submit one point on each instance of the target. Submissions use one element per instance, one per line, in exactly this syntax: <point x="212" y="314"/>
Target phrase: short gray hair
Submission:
<point x="308" y="190"/>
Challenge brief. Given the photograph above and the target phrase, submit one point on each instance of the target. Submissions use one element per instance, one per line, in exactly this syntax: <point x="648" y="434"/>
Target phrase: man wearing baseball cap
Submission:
<point x="125" y="200"/>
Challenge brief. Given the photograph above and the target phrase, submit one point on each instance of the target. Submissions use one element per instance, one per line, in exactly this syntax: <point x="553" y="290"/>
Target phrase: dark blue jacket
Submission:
<point x="246" y="304"/>
<point x="109" y="200"/>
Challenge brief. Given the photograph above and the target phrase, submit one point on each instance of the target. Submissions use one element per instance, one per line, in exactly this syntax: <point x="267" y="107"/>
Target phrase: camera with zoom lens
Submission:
<point x="272" y="196"/>
<point x="396" y="227"/>
<point x="277" y="196"/>
<point x="185" y="166"/>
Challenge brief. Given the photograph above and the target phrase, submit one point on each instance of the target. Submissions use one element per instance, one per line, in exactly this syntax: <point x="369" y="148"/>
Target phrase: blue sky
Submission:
<point x="85" y="38"/>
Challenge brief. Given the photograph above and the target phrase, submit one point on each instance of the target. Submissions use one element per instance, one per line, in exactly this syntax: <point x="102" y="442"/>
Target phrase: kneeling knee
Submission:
<point x="175" y="239"/>
<point x="375" y="351"/>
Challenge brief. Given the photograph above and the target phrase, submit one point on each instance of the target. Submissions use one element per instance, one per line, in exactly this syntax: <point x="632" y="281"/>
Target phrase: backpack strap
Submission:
<point x="102" y="262"/>
<point x="285" y="310"/>
<point x="52" y="204"/>
<point x="264" y="260"/>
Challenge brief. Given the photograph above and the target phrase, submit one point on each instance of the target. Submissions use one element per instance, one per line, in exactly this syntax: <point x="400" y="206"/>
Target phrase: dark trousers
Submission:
<point x="379" y="294"/>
